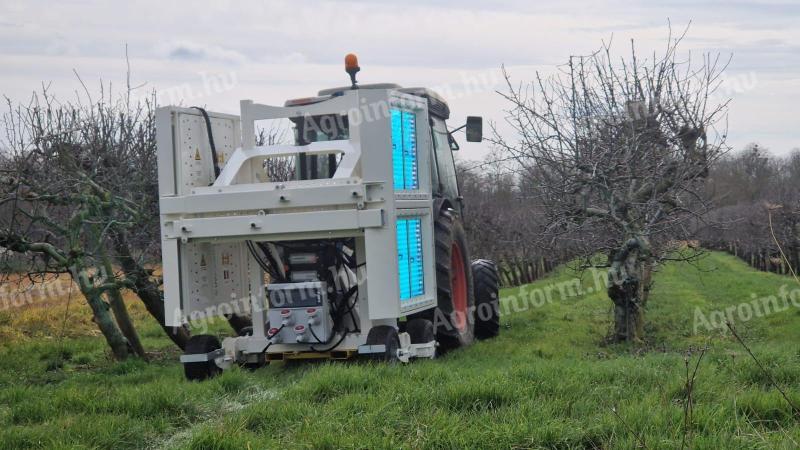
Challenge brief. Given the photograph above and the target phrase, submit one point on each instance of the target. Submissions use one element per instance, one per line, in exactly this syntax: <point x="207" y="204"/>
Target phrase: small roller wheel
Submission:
<point x="387" y="336"/>
<point x="200" y="344"/>
<point x="420" y="330"/>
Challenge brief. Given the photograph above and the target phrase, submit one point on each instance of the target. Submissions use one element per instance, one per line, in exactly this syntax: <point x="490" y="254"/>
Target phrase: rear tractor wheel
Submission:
<point x="452" y="319"/>
<point x="487" y="299"/>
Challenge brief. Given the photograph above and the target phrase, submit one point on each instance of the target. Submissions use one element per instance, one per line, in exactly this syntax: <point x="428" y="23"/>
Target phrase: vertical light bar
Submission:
<point x="410" y="150"/>
<point x="417" y="286"/>
<point x="404" y="150"/>
<point x="397" y="149"/>
<point x="403" y="273"/>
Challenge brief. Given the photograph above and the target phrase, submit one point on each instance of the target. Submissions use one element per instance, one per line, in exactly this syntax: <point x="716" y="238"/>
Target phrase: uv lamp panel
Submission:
<point x="212" y="274"/>
<point x="195" y="160"/>
<point x="410" y="277"/>
<point x="415" y="272"/>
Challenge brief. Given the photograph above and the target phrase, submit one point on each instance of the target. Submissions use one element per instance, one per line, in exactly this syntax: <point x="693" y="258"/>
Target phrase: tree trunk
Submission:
<point x="646" y="280"/>
<point x="114" y="338"/>
<point x="625" y="288"/>
<point x="120" y="311"/>
<point x="529" y="268"/>
<point x="514" y="273"/>
<point x="506" y="278"/>
<point x="124" y="321"/>
<point x="146" y="289"/>
<point x="524" y="274"/>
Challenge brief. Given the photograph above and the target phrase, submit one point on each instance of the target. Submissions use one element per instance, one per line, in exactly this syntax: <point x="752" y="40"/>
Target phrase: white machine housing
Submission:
<point x="206" y="220"/>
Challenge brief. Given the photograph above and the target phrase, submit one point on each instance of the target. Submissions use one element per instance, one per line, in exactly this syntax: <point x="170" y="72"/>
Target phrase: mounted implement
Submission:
<point x="346" y="241"/>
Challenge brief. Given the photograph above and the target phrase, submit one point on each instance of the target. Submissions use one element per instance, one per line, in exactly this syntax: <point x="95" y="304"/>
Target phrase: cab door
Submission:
<point x="445" y="181"/>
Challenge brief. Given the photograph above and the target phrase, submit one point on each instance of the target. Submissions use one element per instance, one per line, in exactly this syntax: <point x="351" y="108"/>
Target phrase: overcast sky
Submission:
<point x="215" y="53"/>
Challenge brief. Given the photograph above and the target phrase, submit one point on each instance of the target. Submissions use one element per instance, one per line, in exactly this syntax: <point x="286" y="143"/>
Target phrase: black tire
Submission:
<point x="384" y="335"/>
<point x="199" y="371"/>
<point x="420" y="331"/>
<point x="487" y="298"/>
<point x="240" y="324"/>
<point x="448" y="232"/>
<point x="255" y="362"/>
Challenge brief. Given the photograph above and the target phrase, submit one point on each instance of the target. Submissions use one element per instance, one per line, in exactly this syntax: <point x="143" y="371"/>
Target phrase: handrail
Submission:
<point x="241" y="157"/>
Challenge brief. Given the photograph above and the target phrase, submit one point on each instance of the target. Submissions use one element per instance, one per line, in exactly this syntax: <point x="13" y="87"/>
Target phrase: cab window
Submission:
<point x="316" y="129"/>
<point x="444" y="159"/>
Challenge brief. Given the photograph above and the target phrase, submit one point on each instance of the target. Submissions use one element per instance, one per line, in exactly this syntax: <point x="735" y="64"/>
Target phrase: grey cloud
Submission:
<point x="193" y="51"/>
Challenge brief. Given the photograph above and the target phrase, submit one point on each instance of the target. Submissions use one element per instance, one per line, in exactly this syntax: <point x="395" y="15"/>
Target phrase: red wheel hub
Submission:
<point x="458" y="287"/>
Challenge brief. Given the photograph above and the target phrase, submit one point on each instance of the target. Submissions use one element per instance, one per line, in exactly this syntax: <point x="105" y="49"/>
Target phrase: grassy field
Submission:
<point x="549" y="381"/>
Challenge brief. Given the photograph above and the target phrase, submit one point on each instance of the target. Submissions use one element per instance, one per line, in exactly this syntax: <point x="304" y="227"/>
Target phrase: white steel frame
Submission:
<point x="358" y="201"/>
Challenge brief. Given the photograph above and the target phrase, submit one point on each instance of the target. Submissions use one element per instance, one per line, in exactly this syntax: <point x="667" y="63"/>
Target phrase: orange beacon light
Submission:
<point x="351" y="67"/>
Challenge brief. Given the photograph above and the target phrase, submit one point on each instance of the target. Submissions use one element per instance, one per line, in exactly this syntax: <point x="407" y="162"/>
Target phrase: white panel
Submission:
<point x="196" y="168"/>
<point x="166" y="153"/>
<point x="381" y="257"/>
<point x="172" y="289"/>
<point x="211" y="273"/>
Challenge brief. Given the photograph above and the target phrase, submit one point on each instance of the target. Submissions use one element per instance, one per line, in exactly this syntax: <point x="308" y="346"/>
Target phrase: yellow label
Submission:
<point x="197" y="155"/>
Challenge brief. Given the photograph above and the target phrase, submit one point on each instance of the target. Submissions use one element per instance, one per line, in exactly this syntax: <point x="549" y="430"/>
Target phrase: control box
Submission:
<point x="299" y="313"/>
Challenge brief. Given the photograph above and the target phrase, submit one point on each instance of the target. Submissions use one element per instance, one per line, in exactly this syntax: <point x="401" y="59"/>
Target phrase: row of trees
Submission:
<point x="751" y="202"/>
<point x="502" y="226"/>
<point x="757" y="215"/>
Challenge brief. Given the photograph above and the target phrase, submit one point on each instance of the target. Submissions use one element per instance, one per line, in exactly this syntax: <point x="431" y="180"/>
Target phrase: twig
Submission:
<point x="783" y="255"/>
<point x="630" y="430"/>
<point x="688" y="405"/>
<point x="763" y="369"/>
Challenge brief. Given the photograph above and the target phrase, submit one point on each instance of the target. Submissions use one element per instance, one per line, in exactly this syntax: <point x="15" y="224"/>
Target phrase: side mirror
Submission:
<point x="474" y="128"/>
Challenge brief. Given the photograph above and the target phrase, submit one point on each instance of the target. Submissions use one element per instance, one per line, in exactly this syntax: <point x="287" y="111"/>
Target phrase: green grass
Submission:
<point x="549" y="381"/>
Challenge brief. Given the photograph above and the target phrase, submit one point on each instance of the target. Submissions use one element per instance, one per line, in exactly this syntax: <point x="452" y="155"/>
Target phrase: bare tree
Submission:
<point x="617" y="153"/>
<point x="78" y="196"/>
<point x="279" y="168"/>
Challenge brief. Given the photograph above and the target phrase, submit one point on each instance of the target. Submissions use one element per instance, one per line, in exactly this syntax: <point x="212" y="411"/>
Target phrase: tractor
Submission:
<point x="344" y="240"/>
